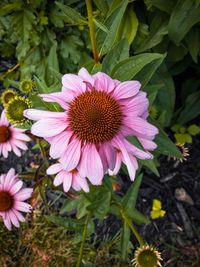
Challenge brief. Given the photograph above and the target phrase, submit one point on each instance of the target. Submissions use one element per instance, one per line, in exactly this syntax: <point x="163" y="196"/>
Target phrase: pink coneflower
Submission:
<point x="68" y="179"/>
<point x="12" y="198"/>
<point x="11" y="138"/>
<point x="90" y="135"/>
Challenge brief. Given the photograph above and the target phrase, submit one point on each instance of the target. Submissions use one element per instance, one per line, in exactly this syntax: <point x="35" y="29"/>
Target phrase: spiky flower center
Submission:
<point x="95" y="117"/>
<point x="15" y="109"/>
<point x="147" y="258"/>
<point x="6" y="201"/>
<point x="4" y="133"/>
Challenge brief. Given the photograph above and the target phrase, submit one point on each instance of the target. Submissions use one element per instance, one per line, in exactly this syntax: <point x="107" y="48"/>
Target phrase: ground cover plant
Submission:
<point x="99" y="105"/>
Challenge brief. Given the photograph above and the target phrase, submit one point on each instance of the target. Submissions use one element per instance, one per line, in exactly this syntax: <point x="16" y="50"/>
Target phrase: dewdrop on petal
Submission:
<point x="7" y="96"/>
<point x="26" y="86"/>
<point x="147" y="256"/>
<point x="15" y="108"/>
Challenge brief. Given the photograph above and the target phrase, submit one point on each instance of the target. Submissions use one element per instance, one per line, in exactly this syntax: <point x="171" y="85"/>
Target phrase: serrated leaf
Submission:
<point x="119" y="52"/>
<point x="71" y="15"/>
<point x="183" y="17"/>
<point x="128" y="68"/>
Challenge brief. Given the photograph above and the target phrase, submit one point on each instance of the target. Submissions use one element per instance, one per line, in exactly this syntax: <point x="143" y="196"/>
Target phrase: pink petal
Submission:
<point x="117" y="164"/>
<point x="7" y="223"/>
<point x="19" y="216"/>
<point x="48" y="127"/>
<point x="53" y="169"/>
<point x="59" y="144"/>
<point x="140" y="126"/>
<point x="3" y="119"/>
<point x="59" y="178"/>
<point x="36" y="114"/>
<point x="71" y="156"/>
<point x="16" y="187"/>
<point x="67" y="182"/>
<point x="4" y="151"/>
<point x="102" y="82"/>
<point x="91" y="165"/>
<point x="126" y="157"/>
<point x="22" y="206"/>
<point x="59" y="98"/>
<point x="73" y="82"/>
<point x="13" y="218"/>
<point x="79" y="182"/>
<point x="20" y="144"/>
<point x="23" y="194"/>
<point x="84" y="74"/>
<point x="137" y="151"/>
<point x="136" y="106"/>
<point x="9" y="177"/>
<point x="126" y="89"/>
<point x="147" y="144"/>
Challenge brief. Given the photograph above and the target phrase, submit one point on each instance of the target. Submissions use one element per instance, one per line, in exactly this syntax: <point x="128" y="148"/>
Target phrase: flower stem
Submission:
<point x="80" y="256"/>
<point x="133" y="229"/>
<point x="43" y="153"/>
<point x="91" y="28"/>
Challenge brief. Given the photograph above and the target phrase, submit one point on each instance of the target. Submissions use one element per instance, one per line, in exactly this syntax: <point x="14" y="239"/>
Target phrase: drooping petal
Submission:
<point x="91" y="165"/>
<point x="79" y="182"/>
<point x="35" y="114"/>
<point x="71" y="156"/>
<point x="53" y="169"/>
<point x="67" y="181"/>
<point x="58" y="97"/>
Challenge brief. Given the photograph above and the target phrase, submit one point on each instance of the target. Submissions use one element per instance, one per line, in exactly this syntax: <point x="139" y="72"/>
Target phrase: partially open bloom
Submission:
<point x="147" y="256"/>
<point x="90" y="134"/>
<point x="11" y="138"/>
<point x="68" y="179"/>
<point x="12" y="198"/>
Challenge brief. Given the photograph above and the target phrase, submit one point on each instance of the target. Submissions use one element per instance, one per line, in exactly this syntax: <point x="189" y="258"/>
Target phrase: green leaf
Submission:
<point x="129" y="26"/>
<point x="71" y="15"/>
<point x="150" y="164"/>
<point x="125" y="239"/>
<point x="183" y="17"/>
<point x="129" y="200"/>
<point x="138" y="217"/>
<point x="158" y="29"/>
<point x="107" y="41"/>
<point x="165" y="145"/>
<point x="193" y="129"/>
<point x="69" y="205"/>
<point x="163" y="5"/>
<point x="119" y="52"/>
<point x="191" y="108"/>
<point x="128" y="68"/>
<point x="100" y="25"/>
<point x="102" y="5"/>
<point x="192" y="40"/>
<point x="82" y="207"/>
<point x="101" y="205"/>
<point x="183" y="138"/>
<point x="166" y="94"/>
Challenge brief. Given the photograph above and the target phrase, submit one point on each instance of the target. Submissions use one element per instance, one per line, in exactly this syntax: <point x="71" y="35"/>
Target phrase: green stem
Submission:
<point x="80" y="256"/>
<point x="43" y="153"/>
<point x="91" y="28"/>
<point x="133" y="229"/>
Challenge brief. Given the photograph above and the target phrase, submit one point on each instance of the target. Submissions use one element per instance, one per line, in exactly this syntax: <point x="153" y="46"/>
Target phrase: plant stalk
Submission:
<point x="80" y="256"/>
<point x="92" y="32"/>
<point x="133" y="229"/>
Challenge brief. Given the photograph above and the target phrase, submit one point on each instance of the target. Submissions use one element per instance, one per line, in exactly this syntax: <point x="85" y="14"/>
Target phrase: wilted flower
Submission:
<point x="68" y="179"/>
<point x="90" y="135"/>
<point x="12" y="198"/>
<point x="11" y="138"/>
<point x="147" y="256"/>
<point x="15" y="108"/>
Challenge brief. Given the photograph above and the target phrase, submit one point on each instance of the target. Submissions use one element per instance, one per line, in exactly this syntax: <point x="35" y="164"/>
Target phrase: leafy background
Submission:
<point x="154" y="41"/>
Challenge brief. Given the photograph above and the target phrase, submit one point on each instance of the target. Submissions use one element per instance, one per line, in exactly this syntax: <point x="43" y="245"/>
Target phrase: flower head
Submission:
<point x="90" y="134"/>
<point x="26" y="86"/>
<point x="147" y="256"/>
<point x="15" y="108"/>
<point x="11" y="138"/>
<point x="12" y="198"/>
<point x="68" y="179"/>
<point x="7" y="96"/>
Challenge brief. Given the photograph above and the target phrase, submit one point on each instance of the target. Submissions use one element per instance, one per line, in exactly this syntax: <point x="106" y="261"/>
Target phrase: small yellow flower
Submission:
<point x="147" y="256"/>
<point x="157" y="211"/>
